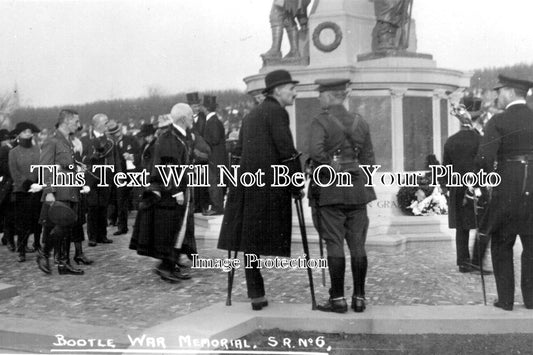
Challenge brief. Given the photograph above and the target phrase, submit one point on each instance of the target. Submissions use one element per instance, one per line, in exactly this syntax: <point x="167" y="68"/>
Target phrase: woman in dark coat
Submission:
<point x="258" y="219"/>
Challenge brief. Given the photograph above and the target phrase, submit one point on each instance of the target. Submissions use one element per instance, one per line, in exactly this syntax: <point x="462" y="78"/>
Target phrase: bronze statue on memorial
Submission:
<point x="291" y="16"/>
<point x="393" y="24"/>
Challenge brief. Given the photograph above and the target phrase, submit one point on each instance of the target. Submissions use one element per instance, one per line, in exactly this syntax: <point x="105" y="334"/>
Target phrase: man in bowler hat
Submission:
<point x="341" y="140"/>
<point x="508" y="145"/>
<point x="258" y="220"/>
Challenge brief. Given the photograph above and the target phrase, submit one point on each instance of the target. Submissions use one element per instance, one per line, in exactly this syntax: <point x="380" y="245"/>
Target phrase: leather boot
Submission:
<point x="292" y="33"/>
<point x="22" y="240"/>
<point x="79" y="257"/>
<point x="43" y="258"/>
<point x="64" y="267"/>
<point x="275" y="50"/>
<point x="359" y="268"/>
<point x="336" y="302"/>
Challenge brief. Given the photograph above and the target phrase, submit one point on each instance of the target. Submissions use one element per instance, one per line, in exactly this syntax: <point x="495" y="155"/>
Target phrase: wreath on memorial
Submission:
<point x="333" y="45"/>
<point x="423" y="200"/>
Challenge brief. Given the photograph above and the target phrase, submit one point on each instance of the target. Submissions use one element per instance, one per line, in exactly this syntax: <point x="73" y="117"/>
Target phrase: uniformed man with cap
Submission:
<point x="342" y="141"/>
<point x="507" y="148"/>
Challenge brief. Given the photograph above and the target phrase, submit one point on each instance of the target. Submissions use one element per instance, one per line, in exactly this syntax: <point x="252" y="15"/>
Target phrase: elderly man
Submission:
<point x="341" y="140"/>
<point x="162" y="213"/>
<point x="98" y="150"/>
<point x="258" y="219"/>
<point x="508" y="142"/>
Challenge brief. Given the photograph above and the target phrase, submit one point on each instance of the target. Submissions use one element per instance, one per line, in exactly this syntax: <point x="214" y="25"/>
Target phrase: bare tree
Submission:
<point x="9" y="102"/>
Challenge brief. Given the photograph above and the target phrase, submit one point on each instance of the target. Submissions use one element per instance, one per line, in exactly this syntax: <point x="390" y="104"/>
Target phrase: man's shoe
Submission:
<point x="11" y="246"/>
<point x="44" y="264"/>
<point x="92" y="244"/>
<point x="21" y="258"/>
<point x="358" y="304"/>
<point x="120" y="232"/>
<point x="106" y="241"/>
<point x="257" y="306"/>
<point x="30" y="250"/>
<point x="66" y="269"/>
<point x="167" y="275"/>
<point x="4" y="240"/>
<point x="337" y="305"/>
<point x="182" y="273"/>
<point x="184" y="261"/>
<point x="528" y="306"/>
<point x="465" y="268"/>
<point x="504" y="306"/>
<point x="476" y="269"/>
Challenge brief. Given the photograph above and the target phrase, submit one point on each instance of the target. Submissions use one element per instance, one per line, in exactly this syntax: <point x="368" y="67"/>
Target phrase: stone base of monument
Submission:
<point x="392" y="53"/>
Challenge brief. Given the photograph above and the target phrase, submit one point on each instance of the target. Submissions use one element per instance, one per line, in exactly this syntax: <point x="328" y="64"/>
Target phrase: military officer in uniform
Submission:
<point x="342" y="141"/>
<point x="508" y="146"/>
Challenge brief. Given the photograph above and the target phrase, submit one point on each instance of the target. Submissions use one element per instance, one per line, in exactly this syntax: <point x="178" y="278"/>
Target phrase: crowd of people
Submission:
<point x="257" y="219"/>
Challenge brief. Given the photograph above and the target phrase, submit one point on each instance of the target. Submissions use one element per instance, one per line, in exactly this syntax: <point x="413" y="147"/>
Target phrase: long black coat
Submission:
<point x="460" y="151"/>
<point x="511" y="207"/>
<point x="215" y="136"/>
<point x="159" y="220"/>
<point x="259" y="219"/>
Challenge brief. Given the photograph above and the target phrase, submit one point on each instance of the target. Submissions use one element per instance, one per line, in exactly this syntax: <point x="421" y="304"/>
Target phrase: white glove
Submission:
<point x="35" y="188"/>
<point x="85" y="190"/>
<point x="180" y="198"/>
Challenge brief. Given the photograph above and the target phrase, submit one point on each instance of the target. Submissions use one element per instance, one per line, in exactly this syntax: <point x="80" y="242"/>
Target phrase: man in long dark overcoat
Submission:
<point x="162" y="210"/>
<point x="508" y="142"/>
<point x="258" y="220"/>
<point x="460" y="152"/>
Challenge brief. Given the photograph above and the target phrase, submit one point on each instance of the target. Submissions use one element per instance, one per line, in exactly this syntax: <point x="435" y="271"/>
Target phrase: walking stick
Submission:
<point x="320" y="243"/>
<point x="478" y="241"/>
<point x="231" y="275"/>
<point x="299" y="211"/>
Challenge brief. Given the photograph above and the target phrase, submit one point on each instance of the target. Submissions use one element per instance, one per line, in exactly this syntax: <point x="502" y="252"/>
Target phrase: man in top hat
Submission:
<point x="98" y="150"/>
<point x="342" y="141"/>
<point x="27" y="205"/>
<point x="193" y="99"/>
<point x="508" y="143"/>
<point x="258" y="219"/>
<point x="215" y="136"/>
<point x="58" y="150"/>
<point x="460" y="152"/>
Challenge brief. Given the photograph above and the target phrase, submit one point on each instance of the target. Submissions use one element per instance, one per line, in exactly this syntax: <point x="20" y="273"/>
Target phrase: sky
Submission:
<point x="75" y="51"/>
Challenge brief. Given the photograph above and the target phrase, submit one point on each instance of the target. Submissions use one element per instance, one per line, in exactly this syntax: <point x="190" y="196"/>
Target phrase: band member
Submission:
<point x="26" y="203"/>
<point x="98" y="150"/>
<point x="258" y="220"/>
<point x="508" y="143"/>
<point x="342" y="141"/>
<point x="460" y="151"/>
<point x="58" y="150"/>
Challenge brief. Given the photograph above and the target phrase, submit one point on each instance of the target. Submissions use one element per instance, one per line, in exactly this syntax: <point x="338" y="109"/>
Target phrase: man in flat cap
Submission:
<point x="508" y="145"/>
<point x="258" y="219"/>
<point x="342" y="141"/>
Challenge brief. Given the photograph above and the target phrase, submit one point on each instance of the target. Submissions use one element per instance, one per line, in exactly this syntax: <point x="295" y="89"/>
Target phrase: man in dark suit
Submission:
<point x="127" y="158"/>
<point x="341" y="140"/>
<point x="508" y="142"/>
<point x="258" y="220"/>
<point x="215" y="136"/>
<point x="201" y="194"/>
<point x="98" y="150"/>
<point x="460" y="152"/>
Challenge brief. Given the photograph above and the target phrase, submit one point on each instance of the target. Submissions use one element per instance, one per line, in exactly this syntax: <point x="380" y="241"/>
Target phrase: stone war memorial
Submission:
<point x="403" y="95"/>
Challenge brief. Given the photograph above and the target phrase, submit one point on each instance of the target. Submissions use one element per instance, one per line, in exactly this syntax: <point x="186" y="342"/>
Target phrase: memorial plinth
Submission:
<point x="404" y="97"/>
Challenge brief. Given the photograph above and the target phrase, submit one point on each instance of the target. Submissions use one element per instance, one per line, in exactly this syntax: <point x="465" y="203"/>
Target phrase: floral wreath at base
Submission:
<point x="422" y="200"/>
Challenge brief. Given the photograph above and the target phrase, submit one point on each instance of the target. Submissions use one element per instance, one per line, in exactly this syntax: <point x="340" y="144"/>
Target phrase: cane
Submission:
<point x="231" y="275"/>
<point x="478" y="241"/>
<point x="299" y="211"/>
<point x="320" y="243"/>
